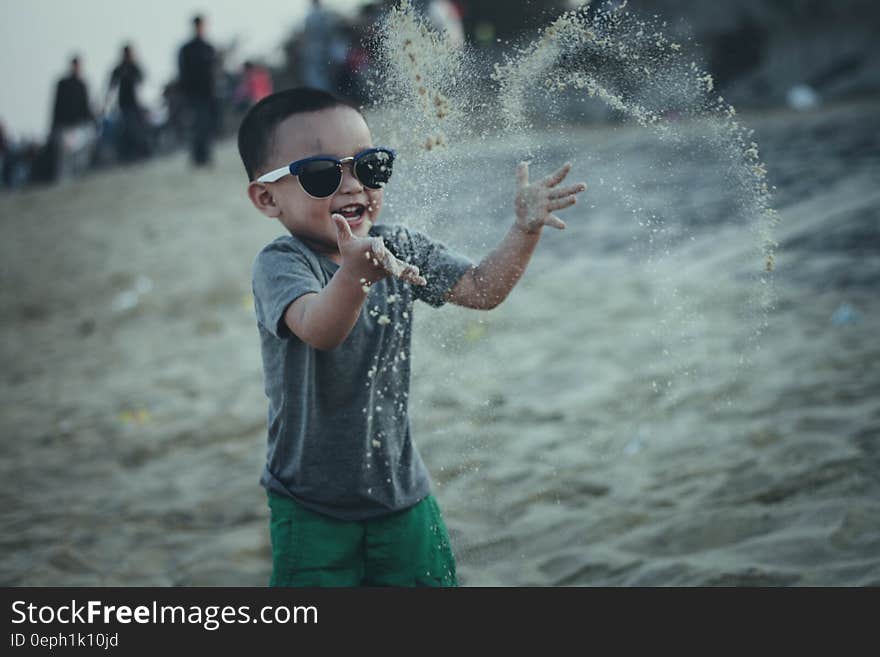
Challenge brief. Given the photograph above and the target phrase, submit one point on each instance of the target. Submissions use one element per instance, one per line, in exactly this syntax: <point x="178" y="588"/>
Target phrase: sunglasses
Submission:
<point x="321" y="176"/>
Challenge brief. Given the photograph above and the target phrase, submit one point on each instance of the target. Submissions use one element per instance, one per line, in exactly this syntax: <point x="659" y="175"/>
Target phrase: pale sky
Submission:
<point x="38" y="37"/>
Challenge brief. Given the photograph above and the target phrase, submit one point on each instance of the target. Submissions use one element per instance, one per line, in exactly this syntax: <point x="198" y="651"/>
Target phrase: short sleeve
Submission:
<point x="440" y="266"/>
<point x="281" y="275"/>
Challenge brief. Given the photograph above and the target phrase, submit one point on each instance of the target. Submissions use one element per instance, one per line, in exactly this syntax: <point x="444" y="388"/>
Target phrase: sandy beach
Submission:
<point x="625" y="418"/>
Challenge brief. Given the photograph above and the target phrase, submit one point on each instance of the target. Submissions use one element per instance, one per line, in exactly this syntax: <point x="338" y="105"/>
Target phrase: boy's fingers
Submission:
<point x="567" y="191"/>
<point x="384" y="257"/>
<point x="522" y="174"/>
<point x="557" y="176"/>
<point x="343" y="230"/>
<point x="411" y="274"/>
<point x="401" y="269"/>
<point x="561" y="203"/>
<point x="554" y="222"/>
<point x="377" y="248"/>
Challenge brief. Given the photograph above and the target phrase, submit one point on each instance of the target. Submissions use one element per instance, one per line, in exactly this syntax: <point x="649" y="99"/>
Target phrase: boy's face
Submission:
<point x="338" y="132"/>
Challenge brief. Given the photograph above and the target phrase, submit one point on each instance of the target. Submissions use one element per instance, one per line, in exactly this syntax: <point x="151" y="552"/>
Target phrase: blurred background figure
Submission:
<point x="4" y="149"/>
<point x="130" y="129"/>
<point x="353" y="74"/>
<point x="445" y="16"/>
<point x="322" y="49"/>
<point x="73" y="133"/>
<point x="16" y="159"/>
<point x="254" y="85"/>
<point x="197" y="62"/>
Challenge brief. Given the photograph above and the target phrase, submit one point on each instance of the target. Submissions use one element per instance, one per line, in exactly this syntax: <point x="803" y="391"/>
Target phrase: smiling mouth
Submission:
<point x="353" y="213"/>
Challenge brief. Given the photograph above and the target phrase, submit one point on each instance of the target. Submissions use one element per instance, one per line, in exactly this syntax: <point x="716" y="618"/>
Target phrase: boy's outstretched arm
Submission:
<point x="324" y="319"/>
<point x="488" y="284"/>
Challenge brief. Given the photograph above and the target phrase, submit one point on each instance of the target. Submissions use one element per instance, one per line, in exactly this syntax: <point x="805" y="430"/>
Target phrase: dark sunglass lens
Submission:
<point x="374" y="169"/>
<point x="320" y="177"/>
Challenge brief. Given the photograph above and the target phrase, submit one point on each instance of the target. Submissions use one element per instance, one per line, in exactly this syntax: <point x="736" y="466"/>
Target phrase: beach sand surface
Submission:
<point x="617" y="421"/>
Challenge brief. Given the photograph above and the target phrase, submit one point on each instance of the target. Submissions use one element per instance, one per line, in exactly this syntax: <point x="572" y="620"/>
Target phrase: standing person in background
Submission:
<point x="322" y="50"/>
<point x="73" y="132"/>
<point x="196" y="64"/>
<point x="71" y="106"/>
<point x="133" y="141"/>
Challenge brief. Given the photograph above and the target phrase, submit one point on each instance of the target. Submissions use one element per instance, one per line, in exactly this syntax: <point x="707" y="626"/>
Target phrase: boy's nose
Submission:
<point x="350" y="184"/>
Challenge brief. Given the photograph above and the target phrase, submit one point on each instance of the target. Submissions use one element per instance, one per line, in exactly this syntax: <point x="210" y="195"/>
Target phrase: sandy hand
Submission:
<point x="369" y="259"/>
<point x="536" y="202"/>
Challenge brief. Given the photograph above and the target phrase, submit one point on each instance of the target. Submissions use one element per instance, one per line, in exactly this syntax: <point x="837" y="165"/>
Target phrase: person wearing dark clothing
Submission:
<point x="71" y="100"/>
<point x="126" y="77"/>
<point x="72" y="137"/>
<point x="133" y="141"/>
<point x="196" y="65"/>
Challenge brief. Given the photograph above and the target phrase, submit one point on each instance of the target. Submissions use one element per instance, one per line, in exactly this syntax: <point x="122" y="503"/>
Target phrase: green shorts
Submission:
<point x="407" y="548"/>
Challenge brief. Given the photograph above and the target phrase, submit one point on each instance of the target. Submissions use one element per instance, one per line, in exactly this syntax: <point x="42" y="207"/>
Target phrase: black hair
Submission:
<point x="256" y="134"/>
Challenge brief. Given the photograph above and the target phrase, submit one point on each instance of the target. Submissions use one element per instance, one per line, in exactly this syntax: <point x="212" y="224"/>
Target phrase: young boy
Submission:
<point x="349" y="495"/>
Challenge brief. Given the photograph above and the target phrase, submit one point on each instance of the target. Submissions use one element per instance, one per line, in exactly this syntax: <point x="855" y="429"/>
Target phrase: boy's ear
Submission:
<point x="263" y="199"/>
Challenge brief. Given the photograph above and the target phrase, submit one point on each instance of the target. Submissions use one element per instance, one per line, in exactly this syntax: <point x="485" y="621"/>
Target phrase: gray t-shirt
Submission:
<point x="339" y="434"/>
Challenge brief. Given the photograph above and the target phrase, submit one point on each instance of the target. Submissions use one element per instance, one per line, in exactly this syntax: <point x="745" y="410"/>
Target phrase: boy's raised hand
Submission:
<point x="536" y="202"/>
<point x="368" y="259"/>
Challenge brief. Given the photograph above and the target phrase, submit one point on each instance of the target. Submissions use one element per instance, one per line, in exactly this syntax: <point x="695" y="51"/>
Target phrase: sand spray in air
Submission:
<point x="421" y="71"/>
<point x="633" y="67"/>
<point x="611" y="55"/>
<point x="628" y="63"/>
